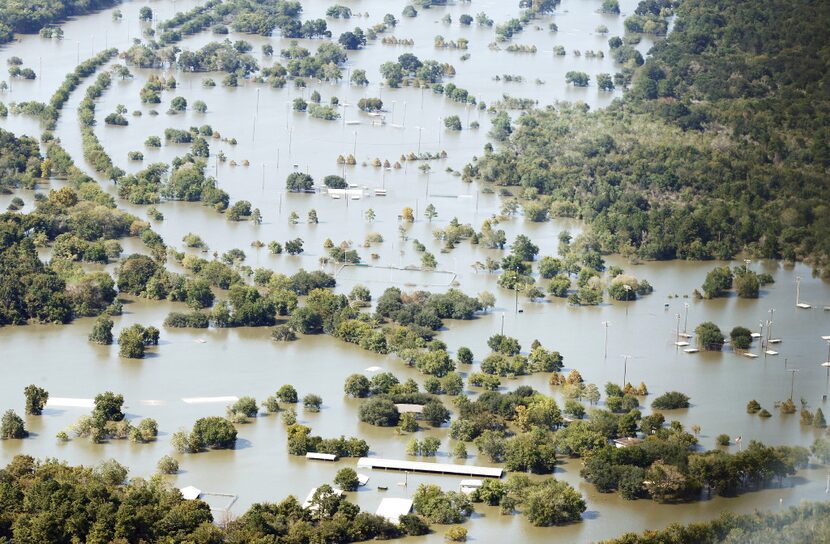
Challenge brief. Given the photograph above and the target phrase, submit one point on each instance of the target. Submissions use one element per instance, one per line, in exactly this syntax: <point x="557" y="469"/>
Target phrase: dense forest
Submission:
<point x="809" y="522"/>
<point x="53" y="502"/>
<point x="30" y="16"/>
<point x="720" y="145"/>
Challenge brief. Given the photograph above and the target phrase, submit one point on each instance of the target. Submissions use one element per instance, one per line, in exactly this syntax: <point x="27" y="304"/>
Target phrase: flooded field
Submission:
<point x="277" y="141"/>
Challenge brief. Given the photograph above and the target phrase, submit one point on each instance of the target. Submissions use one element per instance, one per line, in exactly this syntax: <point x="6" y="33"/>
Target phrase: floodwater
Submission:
<point x="246" y="362"/>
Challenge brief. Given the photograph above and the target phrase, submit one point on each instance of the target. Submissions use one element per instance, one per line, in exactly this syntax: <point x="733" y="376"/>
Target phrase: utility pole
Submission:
<point x="606" y="323"/>
<point x="685" y="316"/>
<point x="792" y="372"/>
<point x="625" y="368"/>
<point x="678" y="328"/>
<point x="502" y="323"/>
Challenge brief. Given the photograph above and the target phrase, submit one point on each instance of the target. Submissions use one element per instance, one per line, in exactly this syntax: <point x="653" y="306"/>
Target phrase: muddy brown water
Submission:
<point x="246" y="362"/>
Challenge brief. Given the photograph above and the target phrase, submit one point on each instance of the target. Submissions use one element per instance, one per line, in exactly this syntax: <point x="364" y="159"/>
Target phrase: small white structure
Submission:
<point x="351" y="192"/>
<point x="626" y="442"/>
<point x="362" y="479"/>
<point x="774" y="341"/>
<point x="410" y="408"/>
<point x="755" y="335"/>
<point x="190" y="493"/>
<point x="373" y="369"/>
<point x="321" y="456"/>
<point x="771" y="352"/>
<point x="681" y="344"/>
<point x="691" y="350"/>
<point x="750" y="355"/>
<point x="468" y="486"/>
<point x="435" y="468"/>
<point x="392" y="509"/>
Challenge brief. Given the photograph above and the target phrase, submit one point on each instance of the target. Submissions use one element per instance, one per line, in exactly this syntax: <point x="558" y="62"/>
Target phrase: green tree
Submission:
<point x="453" y="122"/>
<point x="717" y="282"/>
<point x="746" y="283"/>
<point x="439" y="506"/>
<point x="818" y="419"/>
<point x="379" y="411"/>
<point x="108" y="407"/>
<point x="709" y="336"/>
<point x="297" y="182"/>
<point x="12" y="427"/>
<point x="357" y="385"/>
<point x="102" y="331"/>
<point x="578" y="79"/>
<point x="672" y="400"/>
<point x="312" y="402"/>
<point x="213" y="432"/>
<point x="553" y="503"/>
<point x="36" y="398"/>
<point x="741" y="337"/>
<point x="167" y="465"/>
<point x="287" y="393"/>
<point x="346" y="479"/>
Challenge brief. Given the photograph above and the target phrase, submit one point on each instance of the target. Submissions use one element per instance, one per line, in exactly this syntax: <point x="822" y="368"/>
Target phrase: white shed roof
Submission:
<point x="190" y="493"/>
<point x="392" y="508"/>
<point x="321" y="456"/>
<point x="410" y="408"/>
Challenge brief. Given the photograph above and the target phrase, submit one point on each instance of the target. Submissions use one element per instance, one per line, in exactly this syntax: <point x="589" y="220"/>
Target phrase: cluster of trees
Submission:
<point x="410" y="68"/>
<point x="208" y="432"/>
<point x="665" y="469"/>
<point x="658" y="198"/>
<point x="651" y="17"/>
<point x="107" y="422"/>
<point x="94" y="152"/>
<point x="544" y="503"/>
<point x="489" y="421"/>
<point x="187" y="181"/>
<point x="807" y="522"/>
<point x="746" y="283"/>
<point x="82" y="223"/>
<point x="181" y="24"/>
<point x="225" y="56"/>
<point x="300" y="442"/>
<point x="133" y="340"/>
<point x="101" y="504"/>
<point x="324" y="64"/>
<point x="30" y="17"/>
<point x="386" y="391"/>
<point x="506" y="358"/>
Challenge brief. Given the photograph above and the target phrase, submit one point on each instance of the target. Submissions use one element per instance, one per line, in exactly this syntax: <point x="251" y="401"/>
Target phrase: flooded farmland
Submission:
<point x="274" y="141"/>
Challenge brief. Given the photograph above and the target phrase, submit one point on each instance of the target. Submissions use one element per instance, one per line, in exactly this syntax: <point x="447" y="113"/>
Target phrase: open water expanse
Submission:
<point x="277" y="141"/>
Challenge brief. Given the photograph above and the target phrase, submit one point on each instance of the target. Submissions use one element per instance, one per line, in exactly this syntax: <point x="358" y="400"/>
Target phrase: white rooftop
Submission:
<point x="392" y="509"/>
<point x="410" y="408"/>
<point x="421" y="466"/>
<point x="321" y="456"/>
<point x="190" y="493"/>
